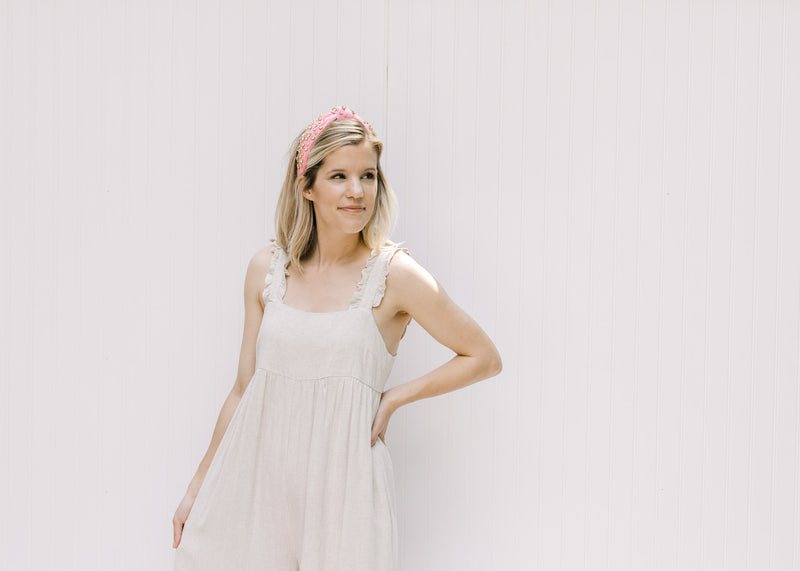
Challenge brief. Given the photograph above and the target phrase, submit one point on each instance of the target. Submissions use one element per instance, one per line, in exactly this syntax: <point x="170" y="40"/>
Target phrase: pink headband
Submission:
<point x="313" y="131"/>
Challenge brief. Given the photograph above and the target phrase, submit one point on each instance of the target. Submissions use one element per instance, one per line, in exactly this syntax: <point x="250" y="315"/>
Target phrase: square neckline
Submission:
<point x="366" y="310"/>
<point x="352" y="303"/>
<point x="357" y="301"/>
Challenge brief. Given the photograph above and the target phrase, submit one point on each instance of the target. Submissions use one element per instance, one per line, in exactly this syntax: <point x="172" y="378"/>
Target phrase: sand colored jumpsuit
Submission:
<point x="295" y="483"/>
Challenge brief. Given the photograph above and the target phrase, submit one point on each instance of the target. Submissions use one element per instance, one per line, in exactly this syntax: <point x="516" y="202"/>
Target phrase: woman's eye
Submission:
<point x="369" y="175"/>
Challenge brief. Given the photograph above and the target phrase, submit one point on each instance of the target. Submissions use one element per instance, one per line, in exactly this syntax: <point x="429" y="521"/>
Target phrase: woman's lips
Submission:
<point x="352" y="209"/>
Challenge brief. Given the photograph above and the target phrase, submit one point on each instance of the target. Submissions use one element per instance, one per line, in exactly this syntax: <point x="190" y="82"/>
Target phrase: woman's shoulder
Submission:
<point x="402" y="267"/>
<point x="399" y="259"/>
<point x="261" y="259"/>
<point x="408" y="281"/>
<point x="392" y="246"/>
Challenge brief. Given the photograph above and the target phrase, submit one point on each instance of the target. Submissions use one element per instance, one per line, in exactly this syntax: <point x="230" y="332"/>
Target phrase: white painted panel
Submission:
<point x="610" y="189"/>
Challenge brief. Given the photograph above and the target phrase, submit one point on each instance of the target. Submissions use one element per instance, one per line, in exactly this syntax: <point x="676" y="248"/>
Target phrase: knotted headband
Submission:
<point x="312" y="132"/>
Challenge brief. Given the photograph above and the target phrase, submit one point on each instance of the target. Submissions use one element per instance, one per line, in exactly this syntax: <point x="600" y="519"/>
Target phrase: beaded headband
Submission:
<point x="313" y="131"/>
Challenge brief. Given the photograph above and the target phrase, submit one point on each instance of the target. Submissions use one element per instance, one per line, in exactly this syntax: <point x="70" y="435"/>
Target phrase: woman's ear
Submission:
<point x="302" y="183"/>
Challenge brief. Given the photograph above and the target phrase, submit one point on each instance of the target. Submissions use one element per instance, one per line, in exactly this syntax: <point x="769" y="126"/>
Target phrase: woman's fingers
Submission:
<point x="381" y="421"/>
<point x="177" y="527"/>
<point x="180" y="517"/>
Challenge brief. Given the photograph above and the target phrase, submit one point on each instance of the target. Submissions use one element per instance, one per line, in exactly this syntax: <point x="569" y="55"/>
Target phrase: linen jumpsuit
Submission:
<point x="295" y="483"/>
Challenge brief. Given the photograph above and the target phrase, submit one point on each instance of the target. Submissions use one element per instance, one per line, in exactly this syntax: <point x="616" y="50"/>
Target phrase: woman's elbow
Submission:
<point x="494" y="364"/>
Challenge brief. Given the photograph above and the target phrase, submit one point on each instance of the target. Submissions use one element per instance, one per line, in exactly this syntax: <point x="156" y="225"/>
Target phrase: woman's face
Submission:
<point x="345" y="189"/>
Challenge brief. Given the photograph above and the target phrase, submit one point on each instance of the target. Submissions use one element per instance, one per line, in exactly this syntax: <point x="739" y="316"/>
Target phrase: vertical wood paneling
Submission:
<point x="694" y="302"/>
<point x="43" y="427"/>
<point x="608" y="188"/>
<point x="785" y="496"/>
<point x="600" y="297"/>
<point x="11" y="436"/>
<point x="512" y="244"/>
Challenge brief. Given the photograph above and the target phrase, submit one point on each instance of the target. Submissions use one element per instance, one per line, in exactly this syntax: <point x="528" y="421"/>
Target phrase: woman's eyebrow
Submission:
<point x="333" y="170"/>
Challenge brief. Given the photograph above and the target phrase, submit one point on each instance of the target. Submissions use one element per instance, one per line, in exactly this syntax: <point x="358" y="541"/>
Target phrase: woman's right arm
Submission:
<point x="254" y="312"/>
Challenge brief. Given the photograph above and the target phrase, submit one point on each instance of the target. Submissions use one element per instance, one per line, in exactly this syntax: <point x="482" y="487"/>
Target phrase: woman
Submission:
<point x="298" y="475"/>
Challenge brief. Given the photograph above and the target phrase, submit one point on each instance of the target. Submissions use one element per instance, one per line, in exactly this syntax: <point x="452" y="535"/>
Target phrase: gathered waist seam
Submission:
<point x="294" y="378"/>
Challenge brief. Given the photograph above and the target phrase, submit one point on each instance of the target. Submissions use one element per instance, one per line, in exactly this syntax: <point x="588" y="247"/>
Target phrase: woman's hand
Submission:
<point x="385" y="410"/>
<point x="179" y="519"/>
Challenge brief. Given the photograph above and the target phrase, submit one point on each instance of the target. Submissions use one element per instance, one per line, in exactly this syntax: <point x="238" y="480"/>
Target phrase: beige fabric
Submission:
<point x="295" y="483"/>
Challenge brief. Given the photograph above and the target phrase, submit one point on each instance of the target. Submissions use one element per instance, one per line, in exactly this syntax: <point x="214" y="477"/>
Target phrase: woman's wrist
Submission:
<point x="393" y="399"/>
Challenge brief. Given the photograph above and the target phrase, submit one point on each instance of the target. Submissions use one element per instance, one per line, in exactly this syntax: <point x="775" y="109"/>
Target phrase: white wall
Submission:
<point x="609" y="188"/>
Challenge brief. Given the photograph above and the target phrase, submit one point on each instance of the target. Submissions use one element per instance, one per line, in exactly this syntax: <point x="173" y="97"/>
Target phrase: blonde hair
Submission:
<point x="295" y="226"/>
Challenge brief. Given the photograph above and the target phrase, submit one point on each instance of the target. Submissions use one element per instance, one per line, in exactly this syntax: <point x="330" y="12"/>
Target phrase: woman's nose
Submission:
<point x="354" y="188"/>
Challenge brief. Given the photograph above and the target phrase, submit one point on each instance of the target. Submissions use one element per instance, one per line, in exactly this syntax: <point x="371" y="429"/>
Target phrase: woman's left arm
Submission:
<point x="417" y="293"/>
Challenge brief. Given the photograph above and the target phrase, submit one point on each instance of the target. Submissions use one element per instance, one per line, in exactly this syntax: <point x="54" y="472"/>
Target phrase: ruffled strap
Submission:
<point x="372" y="287"/>
<point x="275" y="280"/>
<point x="361" y="295"/>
